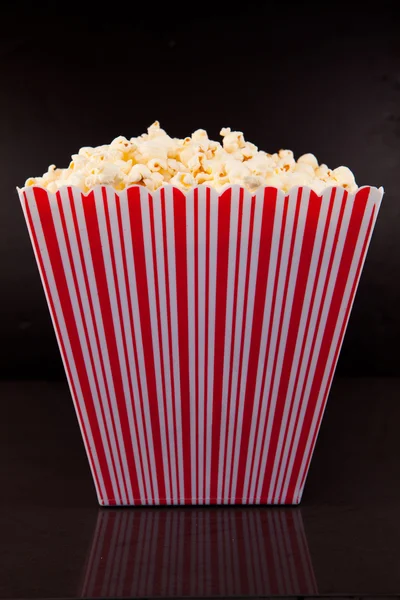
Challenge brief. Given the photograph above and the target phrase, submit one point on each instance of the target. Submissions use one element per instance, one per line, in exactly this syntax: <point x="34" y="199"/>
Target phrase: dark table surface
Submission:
<point x="344" y="539"/>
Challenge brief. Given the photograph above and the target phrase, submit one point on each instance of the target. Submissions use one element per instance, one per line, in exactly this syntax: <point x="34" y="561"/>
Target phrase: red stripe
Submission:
<point x="135" y="216"/>
<point x="94" y="321"/>
<point x="179" y="200"/>
<point x="43" y="206"/>
<point x="237" y="426"/>
<point x="134" y="342"/>
<point x="97" y="252"/>
<point x="340" y="340"/>
<point x="226" y="466"/>
<point x="224" y="205"/>
<point x="310" y="310"/>
<point x="277" y="416"/>
<point x="262" y="426"/>
<point x="129" y="446"/>
<point x="268" y="216"/>
<point x="206" y="324"/>
<point x="78" y="295"/>
<point x="180" y="493"/>
<point x="161" y="343"/>
<point x="310" y="229"/>
<point x="336" y="300"/>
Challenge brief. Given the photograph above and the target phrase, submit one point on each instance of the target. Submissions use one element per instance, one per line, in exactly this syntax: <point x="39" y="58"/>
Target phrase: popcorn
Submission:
<point x="308" y="159"/>
<point x="183" y="180"/>
<point x="233" y="140"/>
<point x="155" y="159"/>
<point x="344" y="177"/>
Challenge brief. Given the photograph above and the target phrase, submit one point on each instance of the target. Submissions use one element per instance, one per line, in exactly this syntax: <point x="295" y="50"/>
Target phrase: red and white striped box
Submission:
<point x="200" y="331"/>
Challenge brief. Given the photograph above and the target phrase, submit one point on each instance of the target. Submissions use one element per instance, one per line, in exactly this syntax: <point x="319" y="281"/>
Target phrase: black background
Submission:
<point x="319" y="78"/>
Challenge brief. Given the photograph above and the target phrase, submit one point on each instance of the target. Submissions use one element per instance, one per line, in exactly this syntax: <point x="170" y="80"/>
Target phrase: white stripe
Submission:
<point x="233" y="231"/>
<point x="337" y="252"/>
<point x="97" y="402"/>
<point x="287" y="312"/>
<point x="212" y="292"/>
<point x="170" y="226"/>
<point x="264" y="338"/>
<point x="341" y="316"/>
<point x="265" y="402"/>
<point x="147" y="241"/>
<point x="137" y="333"/>
<point x="131" y="365"/>
<point x="299" y="342"/>
<point x="238" y="317"/>
<point x="102" y="339"/>
<point x="162" y="292"/>
<point x="255" y="248"/>
<point x="201" y="304"/>
<point x="68" y="358"/>
<point x="191" y="337"/>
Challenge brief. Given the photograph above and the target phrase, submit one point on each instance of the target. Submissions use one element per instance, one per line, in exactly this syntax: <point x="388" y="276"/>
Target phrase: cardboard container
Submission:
<point x="192" y="553"/>
<point x="200" y="332"/>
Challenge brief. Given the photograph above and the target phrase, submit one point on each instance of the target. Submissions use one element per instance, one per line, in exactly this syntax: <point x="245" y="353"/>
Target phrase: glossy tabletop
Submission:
<point x="344" y="539"/>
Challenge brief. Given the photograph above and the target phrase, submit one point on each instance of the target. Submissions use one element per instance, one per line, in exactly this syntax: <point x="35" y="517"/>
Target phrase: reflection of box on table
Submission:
<point x="197" y="552"/>
<point x="200" y="333"/>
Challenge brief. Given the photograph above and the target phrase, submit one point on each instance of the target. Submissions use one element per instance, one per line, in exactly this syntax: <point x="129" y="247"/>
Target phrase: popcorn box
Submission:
<point x="198" y="553"/>
<point x="200" y="331"/>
